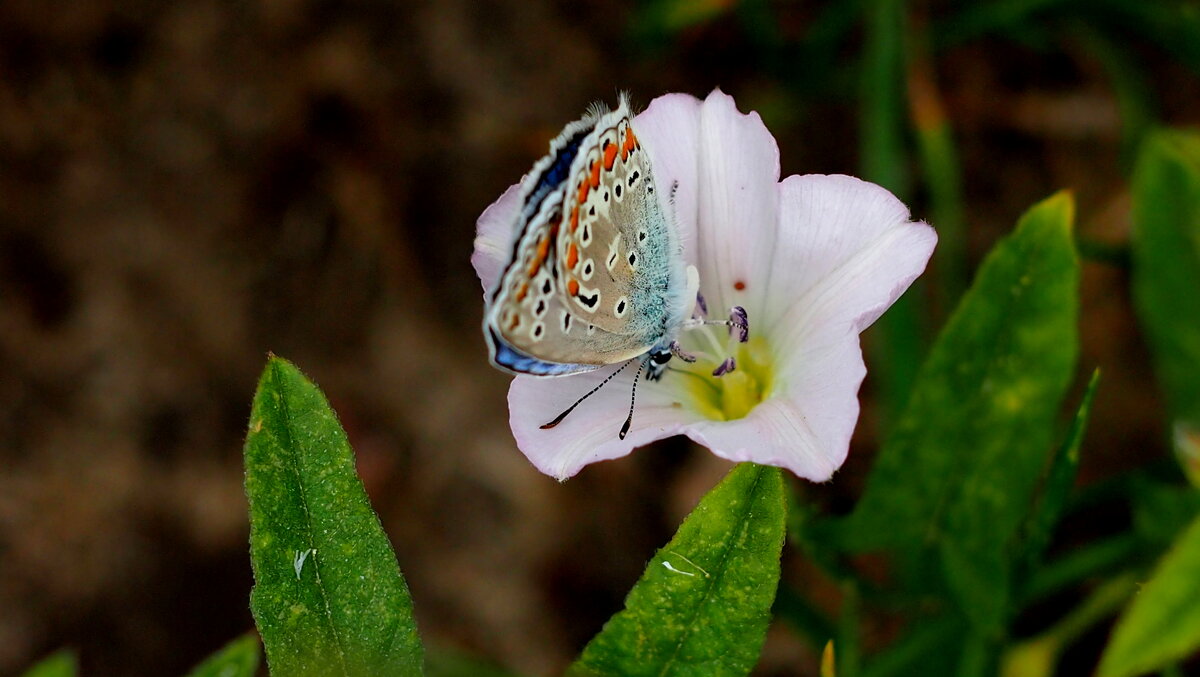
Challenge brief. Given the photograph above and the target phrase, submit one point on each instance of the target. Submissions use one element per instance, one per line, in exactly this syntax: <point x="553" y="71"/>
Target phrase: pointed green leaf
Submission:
<point x="703" y="604"/>
<point x="1052" y="497"/>
<point x="1162" y="624"/>
<point x="239" y="658"/>
<point x="961" y="468"/>
<point x="328" y="596"/>
<point x="1166" y="263"/>
<point x="58" y="664"/>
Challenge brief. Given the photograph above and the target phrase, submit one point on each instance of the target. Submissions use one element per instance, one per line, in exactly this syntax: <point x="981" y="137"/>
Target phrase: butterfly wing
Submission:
<point x="619" y="264"/>
<point x="531" y="324"/>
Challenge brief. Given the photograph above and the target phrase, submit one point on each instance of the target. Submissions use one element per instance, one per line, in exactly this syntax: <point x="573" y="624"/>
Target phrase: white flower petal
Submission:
<point x="738" y="205"/>
<point x="590" y="433"/>
<point x="807" y="429"/>
<point x="669" y="129"/>
<point x="494" y="237"/>
<point x="807" y="425"/>
<point x="850" y="252"/>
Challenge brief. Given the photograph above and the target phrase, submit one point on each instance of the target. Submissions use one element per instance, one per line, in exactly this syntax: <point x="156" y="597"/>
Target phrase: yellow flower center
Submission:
<point x="732" y="396"/>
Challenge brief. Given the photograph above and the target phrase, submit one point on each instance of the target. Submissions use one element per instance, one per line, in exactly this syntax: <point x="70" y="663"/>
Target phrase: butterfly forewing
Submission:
<point x="616" y="258"/>
<point x="580" y="290"/>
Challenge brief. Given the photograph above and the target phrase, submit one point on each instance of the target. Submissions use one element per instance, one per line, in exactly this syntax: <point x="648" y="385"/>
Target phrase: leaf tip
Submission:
<point x="1063" y="202"/>
<point x="828" y="668"/>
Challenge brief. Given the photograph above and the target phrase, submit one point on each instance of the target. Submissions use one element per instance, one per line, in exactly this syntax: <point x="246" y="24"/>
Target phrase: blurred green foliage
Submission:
<point x="58" y="664"/>
<point x="1166" y="258"/>
<point x="239" y="658"/>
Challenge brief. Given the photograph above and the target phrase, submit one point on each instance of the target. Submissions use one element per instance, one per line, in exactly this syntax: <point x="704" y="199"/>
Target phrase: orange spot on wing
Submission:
<point x="584" y="188"/>
<point x="595" y="173"/>
<point x="573" y="287"/>
<point x="628" y="146"/>
<point x="572" y="256"/>
<point x="739" y="285"/>
<point x="574" y="218"/>
<point x="610" y="155"/>
<point x="524" y="291"/>
<point x="542" y="250"/>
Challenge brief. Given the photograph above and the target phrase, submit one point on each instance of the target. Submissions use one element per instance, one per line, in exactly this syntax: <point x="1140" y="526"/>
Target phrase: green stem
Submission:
<point x="1039" y="655"/>
<point x="847" y="647"/>
<point x="943" y="173"/>
<point x="912" y="650"/>
<point x="896" y="342"/>
<point x="1081" y="564"/>
<point x="977" y="656"/>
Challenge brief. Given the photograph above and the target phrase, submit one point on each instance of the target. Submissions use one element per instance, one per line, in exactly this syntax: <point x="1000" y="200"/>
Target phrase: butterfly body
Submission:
<point x="596" y="273"/>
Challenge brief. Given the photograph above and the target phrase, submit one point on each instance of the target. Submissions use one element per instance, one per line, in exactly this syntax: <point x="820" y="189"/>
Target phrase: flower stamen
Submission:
<point x="738" y="325"/>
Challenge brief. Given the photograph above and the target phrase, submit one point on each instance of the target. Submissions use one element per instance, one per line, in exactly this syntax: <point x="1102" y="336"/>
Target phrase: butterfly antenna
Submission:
<point x="632" y="399"/>
<point x="559" y="419"/>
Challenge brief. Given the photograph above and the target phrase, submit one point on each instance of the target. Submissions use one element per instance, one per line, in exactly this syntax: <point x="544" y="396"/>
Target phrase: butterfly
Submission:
<point x="596" y="274"/>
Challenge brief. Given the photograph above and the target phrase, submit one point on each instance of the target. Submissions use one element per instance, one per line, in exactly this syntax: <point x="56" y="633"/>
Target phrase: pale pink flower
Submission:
<point x="813" y="259"/>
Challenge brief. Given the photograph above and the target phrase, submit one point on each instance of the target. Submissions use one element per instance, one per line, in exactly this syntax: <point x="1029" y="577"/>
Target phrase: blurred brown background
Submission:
<point x="186" y="186"/>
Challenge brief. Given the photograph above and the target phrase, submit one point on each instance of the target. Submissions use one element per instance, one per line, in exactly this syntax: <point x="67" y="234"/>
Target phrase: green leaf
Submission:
<point x="239" y="658"/>
<point x="1162" y="624"/>
<point x="1052" y="497"/>
<point x="960" y="471"/>
<point x="703" y="604"/>
<point x="1161" y="511"/>
<point x="1166" y="263"/>
<point x="58" y="664"/>
<point x="328" y="596"/>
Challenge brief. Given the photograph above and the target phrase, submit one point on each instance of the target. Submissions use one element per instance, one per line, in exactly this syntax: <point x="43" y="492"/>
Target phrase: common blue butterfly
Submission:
<point x="596" y="274"/>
